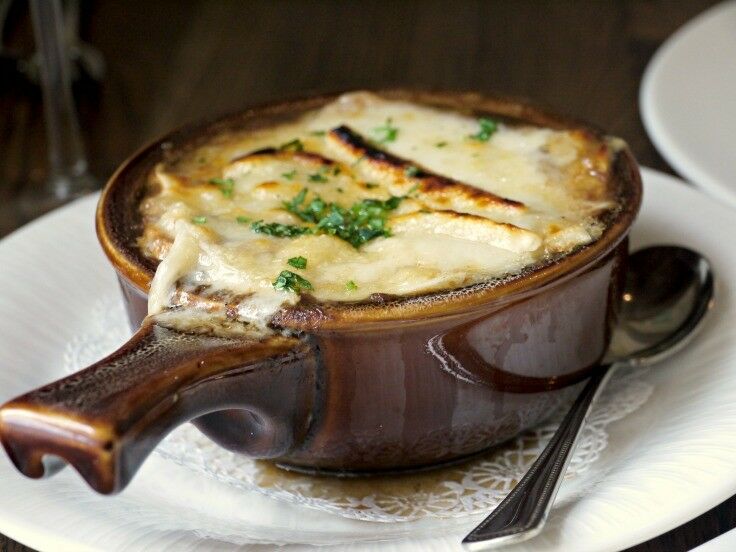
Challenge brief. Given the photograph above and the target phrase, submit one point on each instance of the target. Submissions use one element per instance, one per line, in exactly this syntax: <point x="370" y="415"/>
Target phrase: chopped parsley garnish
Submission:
<point x="289" y="281"/>
<point x="319" y="176"/>
<point x="357" y="224"/>
<point x="411" y="170"/>
<point x="311" y="212"/>
<point x="289" y="175"/>
<point x="487" y="128"/>
<point x="336" y="171"/>
<point x="278" y="230"/>
<point x="199" y="220"/>
<point x="318" y="133"/>
<point x="350" y="285"/>
<point x="371" y="185"/>
<point x="440" y="144"/>
<point x="386" y="133"/>
<point x="226" y="185"/>
<point x="297" y="200"/>
<point x="340" y="190"/>
<point x="294" y="145"/>
<point x="243" y="219"/>
<point x="298" y="262"/>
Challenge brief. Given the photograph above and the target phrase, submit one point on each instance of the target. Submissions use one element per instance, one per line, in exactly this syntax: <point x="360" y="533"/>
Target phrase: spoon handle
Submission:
<point x="524" y="511"/>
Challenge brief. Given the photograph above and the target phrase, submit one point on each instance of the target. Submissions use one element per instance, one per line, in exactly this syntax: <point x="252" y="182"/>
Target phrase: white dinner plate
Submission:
<point x="688" y="101"/>
<point x="666" y="463"/>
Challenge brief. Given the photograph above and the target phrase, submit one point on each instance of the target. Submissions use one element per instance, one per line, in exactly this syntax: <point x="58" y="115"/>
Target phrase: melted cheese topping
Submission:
<point x="472" y="210"/>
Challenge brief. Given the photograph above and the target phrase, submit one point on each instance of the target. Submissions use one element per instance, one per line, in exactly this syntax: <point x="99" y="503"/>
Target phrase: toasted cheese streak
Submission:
<point x="403" y="174"/>
<point x="469" y="211"/>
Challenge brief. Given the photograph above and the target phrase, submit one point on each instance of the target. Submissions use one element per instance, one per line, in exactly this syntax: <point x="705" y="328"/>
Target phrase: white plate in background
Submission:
<point x="688" y="101"/>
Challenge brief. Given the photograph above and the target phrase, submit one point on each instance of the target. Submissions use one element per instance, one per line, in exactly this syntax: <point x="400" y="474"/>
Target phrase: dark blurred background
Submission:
<point x="144" y="67"/>
<point x="170" y="62"/>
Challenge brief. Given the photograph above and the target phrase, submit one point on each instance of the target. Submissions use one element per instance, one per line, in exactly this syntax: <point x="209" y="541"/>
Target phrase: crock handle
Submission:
<point x="106" y="419"/>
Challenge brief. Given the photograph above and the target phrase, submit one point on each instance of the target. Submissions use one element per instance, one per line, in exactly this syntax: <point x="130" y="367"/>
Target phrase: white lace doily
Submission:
<point x="473" y="487"/>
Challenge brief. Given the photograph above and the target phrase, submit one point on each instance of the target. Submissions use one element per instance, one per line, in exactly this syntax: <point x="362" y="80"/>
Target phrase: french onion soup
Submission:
<point x="352" y="284"/>
<point x="367" y="197"/>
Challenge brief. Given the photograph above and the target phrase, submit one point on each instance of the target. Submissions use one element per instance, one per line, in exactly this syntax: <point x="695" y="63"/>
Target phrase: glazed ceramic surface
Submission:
<point x="402" y="383"/>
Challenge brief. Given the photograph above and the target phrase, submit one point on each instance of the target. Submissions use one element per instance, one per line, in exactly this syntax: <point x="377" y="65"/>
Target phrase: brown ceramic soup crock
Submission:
<point x="385" y="385"/>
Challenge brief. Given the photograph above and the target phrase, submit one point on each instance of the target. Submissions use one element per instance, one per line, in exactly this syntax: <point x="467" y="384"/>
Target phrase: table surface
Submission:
<point x="173" y="62"/>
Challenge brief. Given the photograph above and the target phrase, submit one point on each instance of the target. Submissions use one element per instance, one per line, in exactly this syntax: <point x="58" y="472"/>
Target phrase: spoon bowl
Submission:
<point x="667" y="293"/>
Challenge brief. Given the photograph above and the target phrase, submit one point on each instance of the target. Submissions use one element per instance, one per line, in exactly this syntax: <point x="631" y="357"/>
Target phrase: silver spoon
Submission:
<point x="667" y="293"/>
